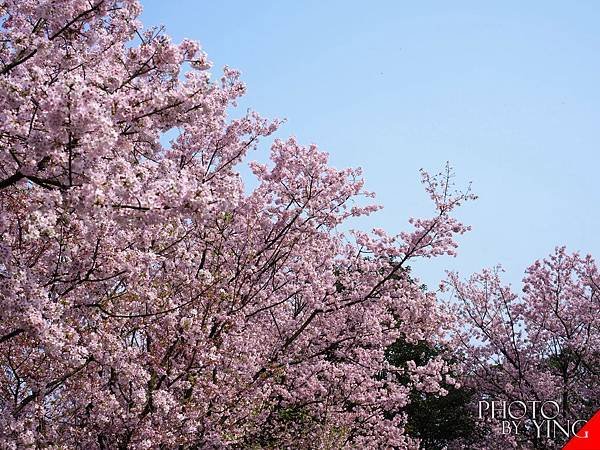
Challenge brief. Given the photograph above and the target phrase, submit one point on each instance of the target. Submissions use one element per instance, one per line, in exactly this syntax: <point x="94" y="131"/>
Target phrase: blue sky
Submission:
<point x="508" y="92"/>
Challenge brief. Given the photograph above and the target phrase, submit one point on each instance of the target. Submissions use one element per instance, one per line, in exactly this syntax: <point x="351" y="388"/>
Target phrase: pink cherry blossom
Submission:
<point x="147" y="300"/>
<point x="538" y="346"/>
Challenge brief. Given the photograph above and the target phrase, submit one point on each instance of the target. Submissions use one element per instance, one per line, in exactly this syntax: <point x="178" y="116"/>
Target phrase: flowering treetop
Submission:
<point x="146" y="300"/>
<point x="539" y="347"/>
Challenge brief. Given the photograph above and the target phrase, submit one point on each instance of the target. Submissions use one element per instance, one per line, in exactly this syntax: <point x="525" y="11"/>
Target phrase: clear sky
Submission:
<point x="508" y="92"/>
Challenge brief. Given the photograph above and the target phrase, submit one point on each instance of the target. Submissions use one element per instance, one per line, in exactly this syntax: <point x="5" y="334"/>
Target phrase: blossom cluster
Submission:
<point x="147" y="300"/>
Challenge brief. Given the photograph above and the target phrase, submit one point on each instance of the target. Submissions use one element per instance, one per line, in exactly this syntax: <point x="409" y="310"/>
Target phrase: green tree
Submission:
<point x="436" y="420"/>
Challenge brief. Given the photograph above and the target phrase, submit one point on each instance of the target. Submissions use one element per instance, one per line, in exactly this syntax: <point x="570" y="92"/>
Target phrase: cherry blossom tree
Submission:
<point x="147" y="300"/>
<point x="538" y="347"/>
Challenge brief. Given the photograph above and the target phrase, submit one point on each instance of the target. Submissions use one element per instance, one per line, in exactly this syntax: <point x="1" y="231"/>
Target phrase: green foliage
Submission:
<point x="436" y="420"/>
